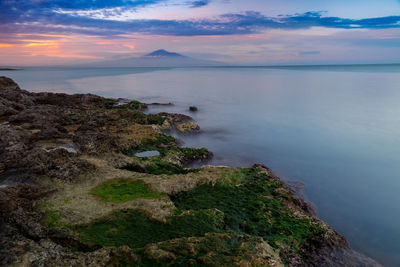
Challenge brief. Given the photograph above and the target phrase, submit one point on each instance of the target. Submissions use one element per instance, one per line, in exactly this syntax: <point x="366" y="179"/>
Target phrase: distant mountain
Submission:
<point x="163" y="53"/>
<point x="158" y="58"/>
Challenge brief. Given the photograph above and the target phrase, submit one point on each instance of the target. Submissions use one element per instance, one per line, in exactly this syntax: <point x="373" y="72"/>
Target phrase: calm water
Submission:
<point x="336" y="129"/>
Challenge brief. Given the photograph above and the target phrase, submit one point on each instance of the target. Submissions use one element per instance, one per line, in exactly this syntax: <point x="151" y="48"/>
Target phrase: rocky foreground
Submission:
<point x="74" y="192"/>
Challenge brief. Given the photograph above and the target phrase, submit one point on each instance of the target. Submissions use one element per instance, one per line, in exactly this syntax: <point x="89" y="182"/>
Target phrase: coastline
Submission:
<point x="9" y="69"/>
<point x="70" y="167"/>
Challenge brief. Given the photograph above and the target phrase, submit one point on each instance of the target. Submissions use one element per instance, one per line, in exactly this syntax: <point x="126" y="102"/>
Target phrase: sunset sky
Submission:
<point x="49" y="32"/>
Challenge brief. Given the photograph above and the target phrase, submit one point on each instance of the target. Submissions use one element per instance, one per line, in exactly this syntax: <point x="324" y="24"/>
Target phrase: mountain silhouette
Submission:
<point x="158" y="58"/>
<point x="163" y="53"/>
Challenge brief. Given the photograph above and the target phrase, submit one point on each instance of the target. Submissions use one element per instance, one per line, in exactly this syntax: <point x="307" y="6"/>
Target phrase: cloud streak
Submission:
<point x="200" y="3"/>
<point x="45" y="16"/>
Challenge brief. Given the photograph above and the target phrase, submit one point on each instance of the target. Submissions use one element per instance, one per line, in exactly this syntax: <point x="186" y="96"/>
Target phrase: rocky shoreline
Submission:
<point x="74" y="193"/>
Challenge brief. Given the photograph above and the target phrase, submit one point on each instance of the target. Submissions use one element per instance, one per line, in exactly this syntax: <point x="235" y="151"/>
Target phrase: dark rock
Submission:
<point x="7" y="84"/>
<point x="16" y="176"/>
<point x="19" y="220"/>
<point x="160" y="104"/>
<point x="2" y="148"/>
<point x="176" y="118"/>
<point x="193" y="108"/>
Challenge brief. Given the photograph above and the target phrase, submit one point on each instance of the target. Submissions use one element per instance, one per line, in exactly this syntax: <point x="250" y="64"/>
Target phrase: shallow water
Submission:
<point x="334" y="128"/>
<point x="146" y="154"/>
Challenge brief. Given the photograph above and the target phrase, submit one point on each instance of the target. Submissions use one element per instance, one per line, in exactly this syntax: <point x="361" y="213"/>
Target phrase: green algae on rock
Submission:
<point x="252" y="206"/>
<point x="213" y="249"/>
<point x="121" y="190"/>
<point x="135" y="229"/>
<point x="171" y="160"/>
<point x="159" y="143"/>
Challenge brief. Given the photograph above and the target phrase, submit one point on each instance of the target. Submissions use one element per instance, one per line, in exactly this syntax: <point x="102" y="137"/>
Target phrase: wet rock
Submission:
<point x="193" y="108"/>
<point x="262" y="168"/>
<point x="176" y="118"/>
<point x="160" y="104"/>
<point x="15" y="177"/>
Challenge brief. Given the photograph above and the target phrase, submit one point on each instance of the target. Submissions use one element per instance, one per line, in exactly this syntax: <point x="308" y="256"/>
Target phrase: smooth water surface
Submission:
<point x="336" y="129"/>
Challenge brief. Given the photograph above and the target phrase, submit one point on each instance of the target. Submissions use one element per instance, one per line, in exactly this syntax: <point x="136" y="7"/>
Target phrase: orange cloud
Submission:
<point x="104" y="43"/>
<point x="129" y="46"/>
<point x="46" y="43"/>
<point x="65" y="56"/>
<point x="44" y="35"/>
<point x="6" y="45"/>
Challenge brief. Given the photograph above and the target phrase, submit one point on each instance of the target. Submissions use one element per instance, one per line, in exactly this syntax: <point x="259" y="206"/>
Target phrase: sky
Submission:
<point x="251" y="32"/>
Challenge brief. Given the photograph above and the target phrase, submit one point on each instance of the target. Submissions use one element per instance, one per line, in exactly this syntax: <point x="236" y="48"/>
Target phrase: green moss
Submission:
<point x="133" y="105"/>
<point x="141" y="118"/>
<point x="252" y="207"/>
<point x="236" y="177"/>
<point x="162" y="143"/>
<point x="191" y="153"/>
<point x="52" y="219"/>
<point x="136" y="105"/>
<point x="156" y="165"/>
<point x="165" y="144"/>
<point x="67" y="200"/>
<point x="245" y="204"/>
<point x="135" y="229"/>
<point x="51" y="216"/>
<point x="110" y="103"/>
<point x="211" y="250"/>
<point x="122" y="190"/>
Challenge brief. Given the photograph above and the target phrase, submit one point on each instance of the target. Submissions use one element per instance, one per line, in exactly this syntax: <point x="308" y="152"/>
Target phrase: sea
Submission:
<point x="330" y="132"/>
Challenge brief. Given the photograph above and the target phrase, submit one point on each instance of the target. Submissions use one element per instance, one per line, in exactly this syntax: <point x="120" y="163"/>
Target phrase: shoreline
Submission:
<point x="72" y="175"/>
<point x="9" y="69"/>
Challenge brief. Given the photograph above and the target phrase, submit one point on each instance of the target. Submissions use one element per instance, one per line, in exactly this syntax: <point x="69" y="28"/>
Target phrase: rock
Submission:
<point x="262" y="168"/>
<point x="176" y="118"/>
<point x="8" y="84"/>
<point x="188" y="127"/>
<point x="154" y="252"/>
<point x="193" y="108"/>
<point x="160" y="104"/>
